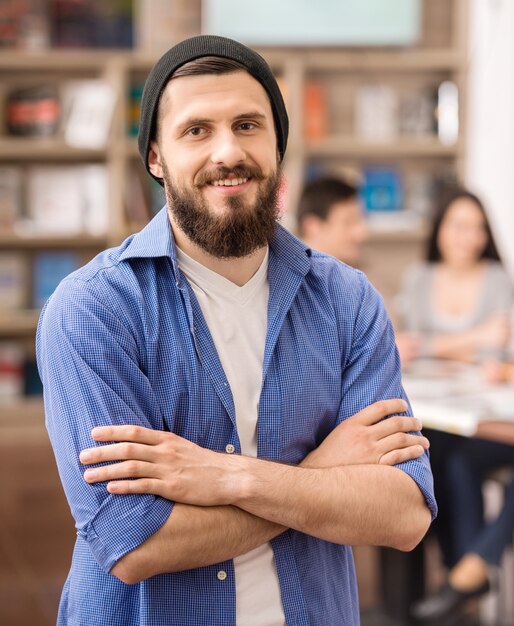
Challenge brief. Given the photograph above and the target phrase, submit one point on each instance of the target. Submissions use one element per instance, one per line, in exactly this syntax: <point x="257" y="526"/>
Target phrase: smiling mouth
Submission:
<point x="229" y="182"/>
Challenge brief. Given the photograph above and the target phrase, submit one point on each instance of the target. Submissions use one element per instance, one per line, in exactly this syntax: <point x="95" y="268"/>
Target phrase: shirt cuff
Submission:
<point x="123" y="523"/>
<point x="420" y="472"/>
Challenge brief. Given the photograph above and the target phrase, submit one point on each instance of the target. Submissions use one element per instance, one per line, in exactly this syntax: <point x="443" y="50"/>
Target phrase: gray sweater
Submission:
<point x="415" y="302"/>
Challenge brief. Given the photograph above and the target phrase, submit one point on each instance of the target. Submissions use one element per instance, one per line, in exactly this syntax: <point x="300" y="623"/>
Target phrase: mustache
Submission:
<point x="220" y="173"/>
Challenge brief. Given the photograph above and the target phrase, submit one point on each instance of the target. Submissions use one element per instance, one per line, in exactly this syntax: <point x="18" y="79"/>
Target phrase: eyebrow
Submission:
<point x="198" y="121"/>
<point x="251" y="115"/>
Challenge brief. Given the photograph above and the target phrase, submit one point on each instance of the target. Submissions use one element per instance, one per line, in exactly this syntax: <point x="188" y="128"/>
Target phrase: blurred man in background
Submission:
<point x="331" y="219"/>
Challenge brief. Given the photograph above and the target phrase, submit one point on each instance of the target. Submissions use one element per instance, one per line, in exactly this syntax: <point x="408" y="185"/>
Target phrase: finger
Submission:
<point x="128" y="432"/>
<point x="126" y="469"/>
<point x="143" y="485"/>
<point x="398" y="441"/>
<point x="396" y="424"/>
<point x="116" y="452"/>
<point x="400" y="456"/>
<point x="378" y="410"/>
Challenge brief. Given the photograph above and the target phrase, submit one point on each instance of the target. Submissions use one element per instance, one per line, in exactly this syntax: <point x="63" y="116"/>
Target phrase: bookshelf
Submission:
<point x="440" y="56"/>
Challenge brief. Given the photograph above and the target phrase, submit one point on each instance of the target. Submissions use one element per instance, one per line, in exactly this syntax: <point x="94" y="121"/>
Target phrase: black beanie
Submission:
<point x="194" y="48"/>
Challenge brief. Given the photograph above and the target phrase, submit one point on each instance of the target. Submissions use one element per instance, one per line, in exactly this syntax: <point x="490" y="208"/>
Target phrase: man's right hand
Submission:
<point x="368" y="438"/>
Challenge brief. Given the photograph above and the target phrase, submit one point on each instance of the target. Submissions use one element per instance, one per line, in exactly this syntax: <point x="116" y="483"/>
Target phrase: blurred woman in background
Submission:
<point x="456" y="306"/>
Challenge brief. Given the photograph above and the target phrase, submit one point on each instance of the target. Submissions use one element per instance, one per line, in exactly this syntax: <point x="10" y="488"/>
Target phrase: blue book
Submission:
<point x="48" y="271"/>
<point x="382" y="189"/>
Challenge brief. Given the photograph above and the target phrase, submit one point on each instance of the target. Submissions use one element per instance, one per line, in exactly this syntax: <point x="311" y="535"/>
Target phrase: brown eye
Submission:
<point x="247" y="126"/>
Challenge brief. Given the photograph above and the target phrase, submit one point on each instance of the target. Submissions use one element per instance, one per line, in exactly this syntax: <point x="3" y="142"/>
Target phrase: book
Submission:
<point x="24" y="25"/>
<point x="376" y="113"/>
<point x="134" y="108"/>
<point x="418" y="113"/>
<point x="32" y="382"/>
<point x="382" y="189"/>
<point x="10" y="197"/>
<point x="49" y="268"/>
<point x="13" y="278"/>
<point x="315" y="111"/>
<point x="67" y="200"/>
<point x="33" y="111"/>
<point x="88" y="110"/>
<point x="91" y="23"/>
<point x="54" y="201"/>
<point x="11" y="371"/>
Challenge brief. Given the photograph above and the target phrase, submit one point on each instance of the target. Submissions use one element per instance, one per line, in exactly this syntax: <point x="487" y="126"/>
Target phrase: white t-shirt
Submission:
<point x="237" y="319"/>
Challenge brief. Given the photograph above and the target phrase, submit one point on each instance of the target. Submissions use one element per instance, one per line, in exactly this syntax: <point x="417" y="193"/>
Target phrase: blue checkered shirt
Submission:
<point x="123" y="340"/>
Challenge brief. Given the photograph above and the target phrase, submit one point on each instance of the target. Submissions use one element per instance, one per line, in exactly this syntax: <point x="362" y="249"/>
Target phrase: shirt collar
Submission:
<point x="156" y="240"/>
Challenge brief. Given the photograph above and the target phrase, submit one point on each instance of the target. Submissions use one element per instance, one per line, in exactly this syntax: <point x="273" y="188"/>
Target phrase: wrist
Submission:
<point x="238" y="483"/>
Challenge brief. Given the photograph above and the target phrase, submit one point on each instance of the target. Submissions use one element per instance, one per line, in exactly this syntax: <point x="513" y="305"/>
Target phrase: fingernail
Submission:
<point x="90" y="474"/>
<point x="112" y="487"/>
<point x="84" y="457"/>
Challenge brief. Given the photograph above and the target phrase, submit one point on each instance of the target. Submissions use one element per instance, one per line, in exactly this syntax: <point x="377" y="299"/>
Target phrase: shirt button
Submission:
<point x="229" y="448"/>
<point x="221" y="574"/>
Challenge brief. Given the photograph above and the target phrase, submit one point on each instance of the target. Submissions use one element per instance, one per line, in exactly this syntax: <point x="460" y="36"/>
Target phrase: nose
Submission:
<point x="227" y="150"/>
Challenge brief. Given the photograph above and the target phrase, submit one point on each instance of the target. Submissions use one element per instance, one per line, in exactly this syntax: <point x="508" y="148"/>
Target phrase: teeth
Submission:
<point x="229" y="183"/>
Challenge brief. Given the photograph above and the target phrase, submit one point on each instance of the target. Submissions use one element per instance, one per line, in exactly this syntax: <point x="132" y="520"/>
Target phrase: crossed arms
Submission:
<point x="345" y="491"/>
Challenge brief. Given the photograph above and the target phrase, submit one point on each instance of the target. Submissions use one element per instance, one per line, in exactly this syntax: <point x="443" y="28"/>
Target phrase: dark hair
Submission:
<point x="208" y="65"/>
<point x="319" y="197"/>
<point x="448" y="197"/>
<point x="203" y="65"/>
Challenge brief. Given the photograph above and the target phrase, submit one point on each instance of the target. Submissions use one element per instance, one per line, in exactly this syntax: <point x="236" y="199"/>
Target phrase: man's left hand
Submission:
<point x="163" y="464"/>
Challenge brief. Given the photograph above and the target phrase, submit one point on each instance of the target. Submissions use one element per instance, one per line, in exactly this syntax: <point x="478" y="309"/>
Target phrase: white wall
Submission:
<point x="490" y="122"/>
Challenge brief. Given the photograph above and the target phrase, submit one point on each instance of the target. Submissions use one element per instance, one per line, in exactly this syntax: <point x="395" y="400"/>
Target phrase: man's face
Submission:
<point x="342" y="233"/>
<point x="217" y="153"/>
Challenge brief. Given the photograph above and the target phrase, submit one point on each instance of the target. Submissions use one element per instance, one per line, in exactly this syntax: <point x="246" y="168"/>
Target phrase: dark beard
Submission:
<point x="236" y="234"/>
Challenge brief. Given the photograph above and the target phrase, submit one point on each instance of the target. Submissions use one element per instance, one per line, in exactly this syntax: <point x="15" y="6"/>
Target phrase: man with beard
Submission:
<point x="207" y="385"/>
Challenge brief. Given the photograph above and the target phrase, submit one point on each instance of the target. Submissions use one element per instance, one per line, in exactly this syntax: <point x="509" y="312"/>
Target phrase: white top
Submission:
<point x="237" y="320"/>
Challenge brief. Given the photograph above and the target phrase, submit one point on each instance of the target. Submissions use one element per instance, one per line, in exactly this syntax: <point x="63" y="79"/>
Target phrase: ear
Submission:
<point x="154" y="160"/>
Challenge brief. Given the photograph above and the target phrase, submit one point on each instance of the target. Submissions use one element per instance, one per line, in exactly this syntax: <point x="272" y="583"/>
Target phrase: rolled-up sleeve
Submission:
<point x="372" y="372"/>
<point x="89" y="362"/>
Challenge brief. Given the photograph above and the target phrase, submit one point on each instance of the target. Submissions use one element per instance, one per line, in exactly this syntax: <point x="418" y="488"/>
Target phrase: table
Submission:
<point x="454" y="397"/>
<point x="451" y="397"/>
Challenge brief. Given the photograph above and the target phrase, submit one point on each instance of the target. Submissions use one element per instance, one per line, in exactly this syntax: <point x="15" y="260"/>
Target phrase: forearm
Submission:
<point x="211" y="524"/>
<point x="356" y="505"/>
<point x="195" y="536"/>
<point x="458" y="346"/>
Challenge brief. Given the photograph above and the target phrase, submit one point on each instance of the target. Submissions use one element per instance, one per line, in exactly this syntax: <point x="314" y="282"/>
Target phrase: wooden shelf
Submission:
<point x="402" y="147"/>
<point x="15" y="241"/>
<point x="62" y="60"/>
<point x="19" y="323"/>
<point x="321" y="59"/>
<point x="384" y="60"/>
<point x="44" y="148"/>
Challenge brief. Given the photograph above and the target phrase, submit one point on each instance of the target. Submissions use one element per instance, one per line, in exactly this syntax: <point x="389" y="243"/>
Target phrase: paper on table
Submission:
<point x="450" y="419"/>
